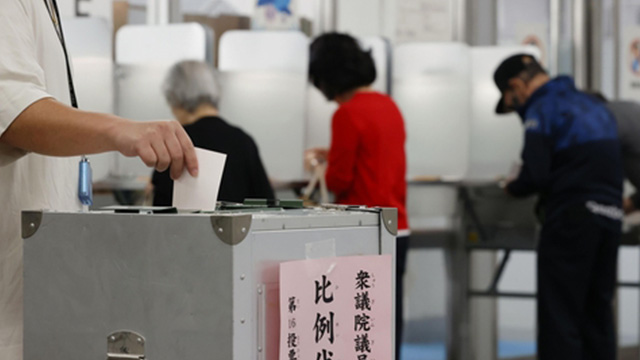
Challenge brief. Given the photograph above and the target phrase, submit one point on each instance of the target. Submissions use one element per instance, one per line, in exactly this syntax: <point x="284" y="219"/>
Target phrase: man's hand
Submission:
<point x="628" y="206"/>
<point x="160" y="144"/>
<point x="51" y="128"/>
<point x="504" y="185"/>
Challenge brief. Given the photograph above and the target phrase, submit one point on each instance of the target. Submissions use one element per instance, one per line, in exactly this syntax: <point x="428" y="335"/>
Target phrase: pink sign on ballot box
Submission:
<point x="336" y="309"/>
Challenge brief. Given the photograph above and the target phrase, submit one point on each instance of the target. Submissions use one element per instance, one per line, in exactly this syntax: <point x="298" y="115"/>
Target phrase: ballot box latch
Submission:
<point x="125" y="345"/>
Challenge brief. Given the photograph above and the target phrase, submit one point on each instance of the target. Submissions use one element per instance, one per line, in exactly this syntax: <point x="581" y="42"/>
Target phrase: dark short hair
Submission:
<point x="338" y="64"/>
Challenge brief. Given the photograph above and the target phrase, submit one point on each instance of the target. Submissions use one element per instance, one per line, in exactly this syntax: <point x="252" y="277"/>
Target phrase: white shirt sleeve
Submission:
<point x="22" y="79"/>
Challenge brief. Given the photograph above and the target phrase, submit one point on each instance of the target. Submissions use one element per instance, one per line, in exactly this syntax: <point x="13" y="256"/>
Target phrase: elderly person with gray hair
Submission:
<point x="192" y="91"/>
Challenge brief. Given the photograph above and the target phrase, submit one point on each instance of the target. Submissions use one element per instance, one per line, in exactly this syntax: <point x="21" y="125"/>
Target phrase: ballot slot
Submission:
<point x="264" y="80"/>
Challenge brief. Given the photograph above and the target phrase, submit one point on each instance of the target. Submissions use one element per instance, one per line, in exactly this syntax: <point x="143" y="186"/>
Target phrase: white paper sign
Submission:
<point x="423" y="20"/>
<point x="630" y="64"/>
<point x="336" y="309"/>
<point x="275" y="15"/>
<point x="200" y="193"/>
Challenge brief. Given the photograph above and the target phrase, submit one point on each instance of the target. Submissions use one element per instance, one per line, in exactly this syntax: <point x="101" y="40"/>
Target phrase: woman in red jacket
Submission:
<point x="366" y="160"/>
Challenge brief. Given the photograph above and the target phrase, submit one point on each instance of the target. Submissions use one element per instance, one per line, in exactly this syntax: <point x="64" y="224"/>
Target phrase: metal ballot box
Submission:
<point x="108" y="285"/>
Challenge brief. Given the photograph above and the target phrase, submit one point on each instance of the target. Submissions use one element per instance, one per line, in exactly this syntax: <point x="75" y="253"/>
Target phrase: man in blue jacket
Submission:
<point x="571" y="158"/>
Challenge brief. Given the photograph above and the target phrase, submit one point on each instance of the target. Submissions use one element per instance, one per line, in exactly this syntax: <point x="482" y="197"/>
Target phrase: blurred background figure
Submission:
<point x="571" y="156"/>
<point x="192" y="91"/>
<point x="627" y="115"/>
<point x="366" y="160"/>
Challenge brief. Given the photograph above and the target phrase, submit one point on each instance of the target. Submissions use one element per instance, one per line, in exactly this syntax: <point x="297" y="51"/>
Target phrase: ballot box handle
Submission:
<point x="125" y="345"/>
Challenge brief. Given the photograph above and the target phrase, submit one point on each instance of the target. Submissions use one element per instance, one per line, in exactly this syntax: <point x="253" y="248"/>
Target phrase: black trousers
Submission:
<point x="577" y="267"/>
<point x="402" y="247"/>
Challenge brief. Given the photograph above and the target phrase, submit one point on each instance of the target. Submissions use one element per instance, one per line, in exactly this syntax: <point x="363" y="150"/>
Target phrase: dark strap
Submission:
<point x="58" y="25"/>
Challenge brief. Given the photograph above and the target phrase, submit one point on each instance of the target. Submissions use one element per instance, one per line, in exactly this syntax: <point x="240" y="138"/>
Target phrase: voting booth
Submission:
<point x="160" y="286"/>
<point x="263" y="76"/>
<point x="496" y="140"/>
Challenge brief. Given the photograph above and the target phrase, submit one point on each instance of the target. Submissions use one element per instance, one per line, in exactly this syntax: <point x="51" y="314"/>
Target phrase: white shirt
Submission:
<point x="32" y="67"/>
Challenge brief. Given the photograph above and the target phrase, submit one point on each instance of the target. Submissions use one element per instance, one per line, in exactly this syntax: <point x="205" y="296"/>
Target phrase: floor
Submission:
<point x="436" y="351"/>
<point x="514" y="350"/>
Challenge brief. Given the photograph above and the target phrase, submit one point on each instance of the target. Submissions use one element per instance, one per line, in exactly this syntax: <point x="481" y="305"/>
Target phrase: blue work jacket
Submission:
<point x="571" y="151"/>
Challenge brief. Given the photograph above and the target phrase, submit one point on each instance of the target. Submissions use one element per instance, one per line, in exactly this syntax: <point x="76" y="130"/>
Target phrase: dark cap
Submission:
<point x="508" y="69"/>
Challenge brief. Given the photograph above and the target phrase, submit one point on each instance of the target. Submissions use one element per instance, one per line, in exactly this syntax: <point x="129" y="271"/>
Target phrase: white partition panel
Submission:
<point x="496" y="140"/>
<point x="381" y="52"/>
<point x="90" y="49"/>
<point x="431" y="86"/>
<point x="141" y="44"/>
<point x="139" y="89"/>
<point x="320" y="111"/>
<point x="319" y="114"/>
<point x="264" y="83"/>
<point x="144" y="55"/>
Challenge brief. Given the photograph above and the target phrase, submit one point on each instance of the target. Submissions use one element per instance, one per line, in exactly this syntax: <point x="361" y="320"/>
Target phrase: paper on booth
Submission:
<point x="200" y="193"/>
<point x="336" y="308"/>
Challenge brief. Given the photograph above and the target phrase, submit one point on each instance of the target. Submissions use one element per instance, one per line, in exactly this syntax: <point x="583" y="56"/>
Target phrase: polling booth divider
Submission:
<point x="144" y="55"/>
<point x="495" y="140"/>
<point x="89" y="46"/>
<point x="432" y="88"/>
<point x="264" y="81"/>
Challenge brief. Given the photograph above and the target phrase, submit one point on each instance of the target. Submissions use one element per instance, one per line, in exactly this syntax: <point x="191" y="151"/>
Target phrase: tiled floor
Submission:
<point x="436" y="351"/>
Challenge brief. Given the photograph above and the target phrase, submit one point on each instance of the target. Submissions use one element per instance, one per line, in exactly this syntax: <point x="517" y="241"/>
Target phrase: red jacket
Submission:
<point x="367" y="161"/>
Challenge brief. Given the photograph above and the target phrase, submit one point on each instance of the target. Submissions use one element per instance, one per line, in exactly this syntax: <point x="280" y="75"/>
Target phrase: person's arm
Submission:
<point x="49" y="127"/>
<point x="31" y="120"/>
<point x="342" y="154"/>
<point x="536" y="161"/>
<point x="632" y="172"/>
<point x="631" y="164"/>
<point x="631" y="203"/>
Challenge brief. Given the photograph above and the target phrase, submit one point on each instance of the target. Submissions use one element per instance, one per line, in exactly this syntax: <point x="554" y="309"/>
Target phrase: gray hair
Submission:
<point x="190" y="84"/>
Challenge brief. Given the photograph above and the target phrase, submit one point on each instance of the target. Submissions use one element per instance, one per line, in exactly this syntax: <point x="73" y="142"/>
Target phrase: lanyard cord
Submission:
<point x="85" y="188"/>
<point x="55" y="19"/>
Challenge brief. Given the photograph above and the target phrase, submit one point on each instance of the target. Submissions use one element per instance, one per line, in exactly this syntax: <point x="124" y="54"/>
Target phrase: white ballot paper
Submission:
<point x="200" y="193"/>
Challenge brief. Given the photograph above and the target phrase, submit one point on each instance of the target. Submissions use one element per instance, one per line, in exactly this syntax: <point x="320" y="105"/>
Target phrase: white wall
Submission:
<point x="103" y="8"/>
<point x="96" y="8"/>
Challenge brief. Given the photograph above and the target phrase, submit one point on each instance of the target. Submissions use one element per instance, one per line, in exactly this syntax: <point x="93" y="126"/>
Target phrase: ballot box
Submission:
<point x="166" y="286"/>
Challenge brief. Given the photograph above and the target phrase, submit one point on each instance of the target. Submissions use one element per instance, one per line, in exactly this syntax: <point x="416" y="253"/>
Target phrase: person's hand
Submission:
<point x="315" y="156"/>
<point x="628" y="206"/>
<point x="503" y="183"/>
<point x="160" y="144"/>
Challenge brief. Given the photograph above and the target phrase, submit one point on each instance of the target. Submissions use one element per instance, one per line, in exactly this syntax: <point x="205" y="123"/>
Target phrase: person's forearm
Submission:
<point x="49" y="127"/>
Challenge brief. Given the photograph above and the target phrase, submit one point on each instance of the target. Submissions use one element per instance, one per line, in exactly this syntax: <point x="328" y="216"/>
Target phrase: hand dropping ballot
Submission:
<point x="200" y="193"/>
